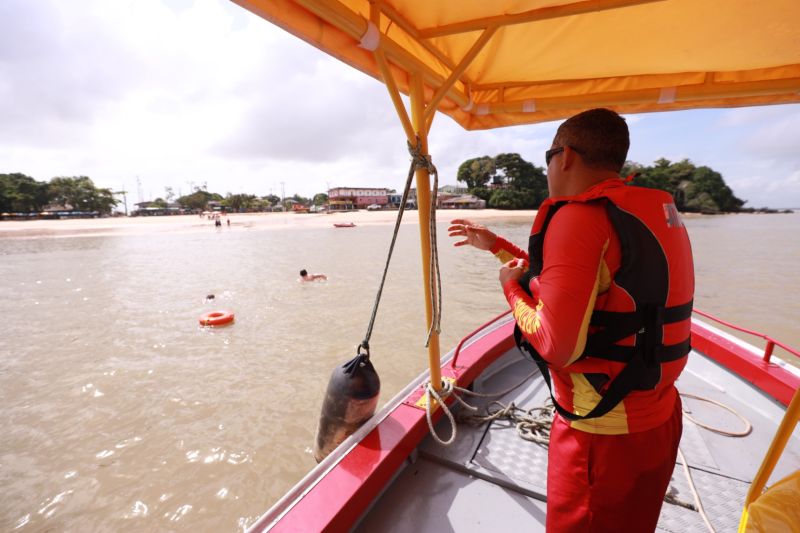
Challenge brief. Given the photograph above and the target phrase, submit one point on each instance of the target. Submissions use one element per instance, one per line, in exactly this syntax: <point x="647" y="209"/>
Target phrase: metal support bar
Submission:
<point x="424" y="209"/>
<point x="476" y="47"/>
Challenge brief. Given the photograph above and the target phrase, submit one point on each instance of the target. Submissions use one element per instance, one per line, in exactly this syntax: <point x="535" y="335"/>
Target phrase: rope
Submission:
<point x="534" y="425"/>
<point x="698" y="504"/>
<point x="748" y="427"/>
<point x="449" y="388"/>
<point x="435" y="280"/>
<point x="417" y="161"/>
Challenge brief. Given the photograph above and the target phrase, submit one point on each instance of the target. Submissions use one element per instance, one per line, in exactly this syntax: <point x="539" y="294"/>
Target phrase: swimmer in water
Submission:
<point x="305" y="276"/>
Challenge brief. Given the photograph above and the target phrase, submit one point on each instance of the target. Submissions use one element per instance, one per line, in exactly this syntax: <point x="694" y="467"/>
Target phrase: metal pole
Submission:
<point x="424" y="210"/>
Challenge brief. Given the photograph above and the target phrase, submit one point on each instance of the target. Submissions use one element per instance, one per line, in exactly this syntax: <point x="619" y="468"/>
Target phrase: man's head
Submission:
<point x="303" y="273"/>
<point x="599" y="136"/>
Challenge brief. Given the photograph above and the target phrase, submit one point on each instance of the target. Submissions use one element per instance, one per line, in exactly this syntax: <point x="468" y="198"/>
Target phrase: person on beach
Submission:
<point x="305" y="276"/>
<point x="602" y="301"/>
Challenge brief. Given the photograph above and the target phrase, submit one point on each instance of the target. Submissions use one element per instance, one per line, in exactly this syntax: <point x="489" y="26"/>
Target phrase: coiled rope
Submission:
<point x="418" y="161"/>
<point x="450" y="389"/>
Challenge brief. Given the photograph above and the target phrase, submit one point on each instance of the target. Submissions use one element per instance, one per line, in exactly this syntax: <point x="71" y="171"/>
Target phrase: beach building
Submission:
<point x="461" y="201"/>
<point x="411" y="203"/>
<point x="149" y="209"/>
<point x="453" y="190"/>
<point x="347" y="198"/>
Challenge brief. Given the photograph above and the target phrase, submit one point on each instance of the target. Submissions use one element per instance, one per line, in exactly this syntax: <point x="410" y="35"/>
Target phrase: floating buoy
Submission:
<point x="350" y="400"/>
<point x="216" y="318"/>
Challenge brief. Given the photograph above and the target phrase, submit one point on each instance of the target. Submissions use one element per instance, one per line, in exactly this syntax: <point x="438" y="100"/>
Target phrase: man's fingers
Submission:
<point x="461" y="243"/>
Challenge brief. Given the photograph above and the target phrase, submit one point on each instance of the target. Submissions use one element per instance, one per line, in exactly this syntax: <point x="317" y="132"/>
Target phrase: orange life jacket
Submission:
<point x="657" y="275"/>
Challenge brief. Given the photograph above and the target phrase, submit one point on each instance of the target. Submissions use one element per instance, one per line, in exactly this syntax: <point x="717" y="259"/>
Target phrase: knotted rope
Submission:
<point x="418" y="161"/>
<point x="450" y="389"/>
<point x="532" y="424"/>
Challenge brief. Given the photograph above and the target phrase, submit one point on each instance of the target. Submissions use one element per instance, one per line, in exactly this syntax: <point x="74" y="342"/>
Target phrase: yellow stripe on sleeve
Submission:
<point x="528" y="318"/>
<point x="504" y="256"/>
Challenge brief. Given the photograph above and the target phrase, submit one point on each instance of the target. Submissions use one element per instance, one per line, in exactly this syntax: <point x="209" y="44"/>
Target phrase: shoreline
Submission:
<point x="97" y="227"/>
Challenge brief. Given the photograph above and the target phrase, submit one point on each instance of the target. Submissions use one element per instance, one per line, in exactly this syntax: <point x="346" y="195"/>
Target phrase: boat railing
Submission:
<point x="472" y="334"/>
<point x="771" y="343"/>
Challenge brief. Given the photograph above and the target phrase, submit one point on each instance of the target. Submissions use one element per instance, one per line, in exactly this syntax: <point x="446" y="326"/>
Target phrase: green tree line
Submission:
<point x="507" y="181"/>
<point x="23" y="194"/>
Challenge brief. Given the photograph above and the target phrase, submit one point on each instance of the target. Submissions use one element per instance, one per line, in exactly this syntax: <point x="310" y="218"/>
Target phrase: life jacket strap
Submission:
<point x="623" y="354"/>
<point x="666" y="315"/>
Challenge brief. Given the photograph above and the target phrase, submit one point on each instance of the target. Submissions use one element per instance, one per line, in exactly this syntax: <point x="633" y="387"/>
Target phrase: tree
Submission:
<point x="513" y="199"/>
<point x="21" y="193"/>
<point x="521" y="175"/>
<point x="272" y="199"/>
<point x="710" y="182"/>
<point x="198" y="200"/>
<point x="476" y="172"/>
<point x="527" y="182"/>
<point x="239" y="202"/>
<point x="693" y="188"/>
<point x="80" y="194"/>
<point x="300" y="199"/>
<point x="320" y="199"/>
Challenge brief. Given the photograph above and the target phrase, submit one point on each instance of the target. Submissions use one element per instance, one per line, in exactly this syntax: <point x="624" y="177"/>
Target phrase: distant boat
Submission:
<point x="344" y="225"/>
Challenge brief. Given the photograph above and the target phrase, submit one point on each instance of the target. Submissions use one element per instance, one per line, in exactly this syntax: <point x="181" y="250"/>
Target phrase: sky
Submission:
<point x="140" y="95"/>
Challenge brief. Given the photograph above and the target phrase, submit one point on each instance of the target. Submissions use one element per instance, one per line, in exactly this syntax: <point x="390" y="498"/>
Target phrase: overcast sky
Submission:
<point x="145" y="94"/>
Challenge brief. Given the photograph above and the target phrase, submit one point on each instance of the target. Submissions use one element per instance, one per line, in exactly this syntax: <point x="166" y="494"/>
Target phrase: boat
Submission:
<point x="495" y="64"/>
<point x="393" y="475"/>
<point x="344" y="225"/>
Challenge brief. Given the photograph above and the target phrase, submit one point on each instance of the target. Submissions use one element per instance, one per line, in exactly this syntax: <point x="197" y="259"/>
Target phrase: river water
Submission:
<point x="120" y="413"/>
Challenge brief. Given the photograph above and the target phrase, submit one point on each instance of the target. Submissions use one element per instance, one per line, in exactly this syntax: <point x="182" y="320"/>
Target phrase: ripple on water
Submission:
<point x="179" y="513"/>
<point x="51" y="505"/>
<point x="217" y="455"/>
<point x="138" y="509"/>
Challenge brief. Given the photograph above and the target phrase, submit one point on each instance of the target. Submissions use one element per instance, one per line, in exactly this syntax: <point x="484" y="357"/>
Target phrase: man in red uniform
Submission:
<point x="602" y="300"/>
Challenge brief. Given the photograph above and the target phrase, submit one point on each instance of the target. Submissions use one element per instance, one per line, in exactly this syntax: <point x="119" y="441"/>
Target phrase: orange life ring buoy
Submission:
<point x="216" y="318"/>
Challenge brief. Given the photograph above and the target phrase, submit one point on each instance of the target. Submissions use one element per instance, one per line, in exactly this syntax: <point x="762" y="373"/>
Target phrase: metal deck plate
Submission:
<point x="721" y="467"/>
<point x="721" y="497"/>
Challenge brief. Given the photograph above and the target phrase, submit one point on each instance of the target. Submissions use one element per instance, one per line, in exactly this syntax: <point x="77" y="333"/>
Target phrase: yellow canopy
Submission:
<point x="492" y="63"/>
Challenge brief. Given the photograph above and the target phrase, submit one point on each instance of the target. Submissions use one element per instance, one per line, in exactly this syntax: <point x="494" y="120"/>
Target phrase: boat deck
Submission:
<point x="492" y="479"/>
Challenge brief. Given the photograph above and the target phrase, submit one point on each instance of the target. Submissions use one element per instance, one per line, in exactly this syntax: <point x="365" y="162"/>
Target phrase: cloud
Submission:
<point x="54" y="72"/>
<point x="777" y="136"/>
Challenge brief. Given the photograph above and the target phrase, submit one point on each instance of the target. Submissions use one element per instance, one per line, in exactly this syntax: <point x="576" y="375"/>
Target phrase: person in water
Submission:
<point x="305" y="276"/>
<point x="602" y="300"/>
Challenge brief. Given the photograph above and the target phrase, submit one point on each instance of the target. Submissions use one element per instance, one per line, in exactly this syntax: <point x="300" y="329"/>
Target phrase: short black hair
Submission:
<point x="303" y="272"/>
<point x="599" y="135"/>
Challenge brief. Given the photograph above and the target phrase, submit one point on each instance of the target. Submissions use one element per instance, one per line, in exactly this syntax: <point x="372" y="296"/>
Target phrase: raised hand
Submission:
<point x="475" y="235"/>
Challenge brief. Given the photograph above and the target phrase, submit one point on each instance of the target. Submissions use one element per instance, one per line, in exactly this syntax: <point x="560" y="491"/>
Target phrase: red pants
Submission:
<point x="609" y="482"/>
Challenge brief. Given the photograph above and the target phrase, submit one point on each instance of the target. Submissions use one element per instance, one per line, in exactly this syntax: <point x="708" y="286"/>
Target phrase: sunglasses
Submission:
<point x="548" y="155"/>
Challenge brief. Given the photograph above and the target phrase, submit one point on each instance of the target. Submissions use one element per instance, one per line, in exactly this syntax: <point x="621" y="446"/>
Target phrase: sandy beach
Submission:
<point x="252" y="221"/>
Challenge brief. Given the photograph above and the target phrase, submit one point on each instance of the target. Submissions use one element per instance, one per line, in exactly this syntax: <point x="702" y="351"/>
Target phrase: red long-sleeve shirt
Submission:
<point x="581" y="256"/>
